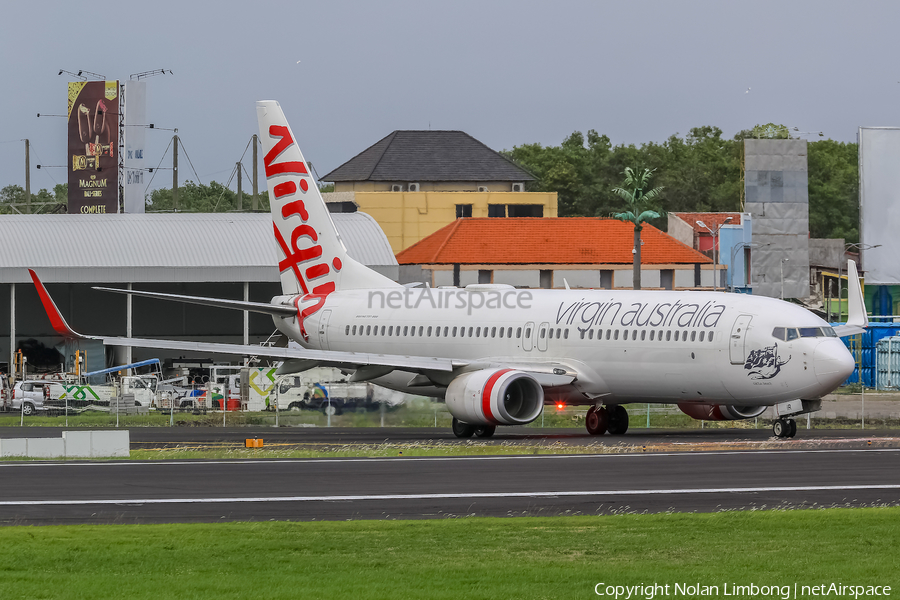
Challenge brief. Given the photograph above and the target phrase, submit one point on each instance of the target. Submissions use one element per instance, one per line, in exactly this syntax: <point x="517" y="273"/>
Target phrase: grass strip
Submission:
<point x="543" y="557"/>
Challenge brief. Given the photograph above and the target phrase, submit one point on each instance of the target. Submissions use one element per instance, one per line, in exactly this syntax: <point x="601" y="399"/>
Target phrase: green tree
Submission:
<point x="194" y="197"/>
<point x="833" y="190"/>
<point x="638" y="202"/>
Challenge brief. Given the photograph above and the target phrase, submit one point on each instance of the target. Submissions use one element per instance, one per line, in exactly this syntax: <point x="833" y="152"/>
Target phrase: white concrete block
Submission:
<point x="110" y="443"/>
<point x="46" y="447"/>
<point x="78" y="444"/>
<point x="13" y="447"/>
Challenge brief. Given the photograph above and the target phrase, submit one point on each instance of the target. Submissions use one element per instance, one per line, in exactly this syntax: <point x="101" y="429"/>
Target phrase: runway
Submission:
<point x="415" y="488"/>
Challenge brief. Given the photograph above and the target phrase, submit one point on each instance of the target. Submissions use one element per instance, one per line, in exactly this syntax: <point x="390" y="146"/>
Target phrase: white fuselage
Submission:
<point x="626" y="346"/>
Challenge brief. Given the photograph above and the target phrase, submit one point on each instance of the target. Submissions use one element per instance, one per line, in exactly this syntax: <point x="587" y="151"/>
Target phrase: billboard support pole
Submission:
<point x="175" y="172"/>
<point x="27" y="177"/>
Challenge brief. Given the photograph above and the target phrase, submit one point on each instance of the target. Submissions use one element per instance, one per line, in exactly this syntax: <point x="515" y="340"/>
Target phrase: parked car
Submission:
<point x="31" y="396"/>
<point x="5" y="392"/>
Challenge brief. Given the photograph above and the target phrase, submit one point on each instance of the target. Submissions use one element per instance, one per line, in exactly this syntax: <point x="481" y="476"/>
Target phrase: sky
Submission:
<point x="506" y="72"/>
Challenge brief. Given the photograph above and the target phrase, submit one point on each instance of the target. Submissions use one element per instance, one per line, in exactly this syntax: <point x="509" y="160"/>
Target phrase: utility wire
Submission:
<point x="190" y="163"/>
<point x="156" y="170"/>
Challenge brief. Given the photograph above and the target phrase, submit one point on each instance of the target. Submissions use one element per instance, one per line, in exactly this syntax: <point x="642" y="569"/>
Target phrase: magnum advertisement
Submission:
<point x="93" y="145"/>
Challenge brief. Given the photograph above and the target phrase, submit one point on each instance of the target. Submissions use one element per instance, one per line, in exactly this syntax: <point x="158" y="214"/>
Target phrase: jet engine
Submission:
<point x="495" y="397"/>
<point x="720" y="412"/>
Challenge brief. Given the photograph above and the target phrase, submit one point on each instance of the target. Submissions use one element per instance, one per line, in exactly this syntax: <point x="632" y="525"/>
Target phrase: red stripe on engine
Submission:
<point x="486" y="395"/>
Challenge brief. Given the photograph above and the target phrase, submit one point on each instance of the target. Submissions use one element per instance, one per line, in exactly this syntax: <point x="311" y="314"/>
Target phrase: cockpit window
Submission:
<point x="789" y="333"/>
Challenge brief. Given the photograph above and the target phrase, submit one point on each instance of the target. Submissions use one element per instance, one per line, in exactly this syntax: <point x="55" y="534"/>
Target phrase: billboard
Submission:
<point x="879" y="207"/>
<point x="135" y="134"/>
<point x="93" y="147"/>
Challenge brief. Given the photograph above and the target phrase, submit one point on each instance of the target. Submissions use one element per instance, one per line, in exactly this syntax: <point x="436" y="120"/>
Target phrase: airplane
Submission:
<point x="497" y="355"/>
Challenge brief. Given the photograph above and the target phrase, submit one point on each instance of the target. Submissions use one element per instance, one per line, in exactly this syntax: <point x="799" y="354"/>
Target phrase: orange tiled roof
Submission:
<point x="573" y="240"/>
<point x="712" y="220"/>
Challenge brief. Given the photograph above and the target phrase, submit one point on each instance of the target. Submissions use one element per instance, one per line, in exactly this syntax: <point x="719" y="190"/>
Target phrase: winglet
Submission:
<point x="857" y="319"/>
<point x="856" y="304"/>
<point x="56" y="318"/>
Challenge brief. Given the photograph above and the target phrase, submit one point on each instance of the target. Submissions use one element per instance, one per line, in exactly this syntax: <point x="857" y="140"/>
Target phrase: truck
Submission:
<point x="324" y="389"/>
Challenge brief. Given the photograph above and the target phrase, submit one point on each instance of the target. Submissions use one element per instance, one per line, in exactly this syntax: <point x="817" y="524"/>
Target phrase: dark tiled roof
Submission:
<point x="428" y="156"/>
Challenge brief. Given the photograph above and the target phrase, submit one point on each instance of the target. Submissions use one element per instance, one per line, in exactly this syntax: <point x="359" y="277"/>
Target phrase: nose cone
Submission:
<point x="833" y="363"/>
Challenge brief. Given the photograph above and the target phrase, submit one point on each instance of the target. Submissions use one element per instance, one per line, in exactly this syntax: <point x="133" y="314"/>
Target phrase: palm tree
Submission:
<point x="632" y="192"/>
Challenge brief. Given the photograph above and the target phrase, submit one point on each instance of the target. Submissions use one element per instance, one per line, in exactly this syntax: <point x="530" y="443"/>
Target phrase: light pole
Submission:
<point x="783" y="260"/>
<point x="715" y="235"/>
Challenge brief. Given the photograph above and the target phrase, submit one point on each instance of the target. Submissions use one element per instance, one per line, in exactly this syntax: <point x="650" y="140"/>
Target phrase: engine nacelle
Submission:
<point x="495" y="397"/>
<point x="720" y="412"/>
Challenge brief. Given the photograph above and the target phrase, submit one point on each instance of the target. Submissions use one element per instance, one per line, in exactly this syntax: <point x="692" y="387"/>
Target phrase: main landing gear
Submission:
<point x="466" y="430"/>
<point x="602" y="419"/>
<point x="784" y="428"/>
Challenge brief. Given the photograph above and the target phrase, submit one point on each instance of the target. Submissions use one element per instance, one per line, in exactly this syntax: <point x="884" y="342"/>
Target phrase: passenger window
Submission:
<point x="493" y="332"/>
<point x="792" y="334"/>
<point x="382" y="330"/>
<point x="693" y="336"/>
<point x="550" y="334"/>
<point x="651" y="334"/>
<point x="676" y="335"/>
<point x="710" y="336"/>
<point x="608" y="333"/>
<point x="669" y="335"/>
<point x="643" y="334"/>
<point x="543" y="333"/>
<point x="557" y="333"/>
<point x="701" y="335"/>
<point x="566" y="334"/>
<point x="778" y="333"/>
<point x="446" y="329"/>
<point x="591" y="334"/>
<point x="501" y="332"/>
<point x="509" y="332"/>
<point x="421" y="329"/>
<point x="429" y="331"/>
<point x="347" y="331"/>
<point x="437" y="332"/>
<point x="368" y="330"/>
<point x="518" y="332"/>
<point x="470" y="332"/>
<point x="634" y="335"/>
<point x="354" y="330"/>
<point x="405" y="329"/>
<point x="616" y="335"/>
<point x="454" y="332"/>
<point x="528" y="333"/>
<point x="478" y="332"/>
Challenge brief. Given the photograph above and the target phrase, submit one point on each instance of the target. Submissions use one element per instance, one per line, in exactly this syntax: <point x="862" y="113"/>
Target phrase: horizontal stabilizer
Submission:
<point x="276" y="310"/>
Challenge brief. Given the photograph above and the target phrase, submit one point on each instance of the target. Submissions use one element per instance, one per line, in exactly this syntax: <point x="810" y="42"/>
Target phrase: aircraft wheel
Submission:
<point x="618" y="420"/>
<point x="485" y="431"/>
<point x="780" y="428"/>
<point x="597" y="420"/>
<point x="793" y="428"/>
<point x="462" y="430"/>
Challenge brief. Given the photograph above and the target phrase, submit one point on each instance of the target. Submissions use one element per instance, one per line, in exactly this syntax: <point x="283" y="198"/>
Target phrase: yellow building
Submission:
<point x="413" y="183"/>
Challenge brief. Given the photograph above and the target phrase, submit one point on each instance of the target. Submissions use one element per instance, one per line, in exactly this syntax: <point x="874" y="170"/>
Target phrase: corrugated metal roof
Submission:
<point x="172" y="247"/>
